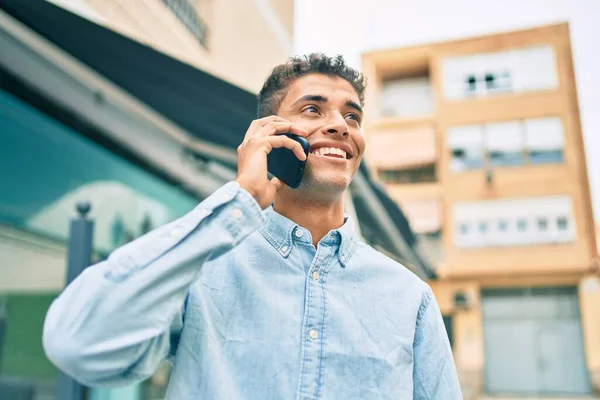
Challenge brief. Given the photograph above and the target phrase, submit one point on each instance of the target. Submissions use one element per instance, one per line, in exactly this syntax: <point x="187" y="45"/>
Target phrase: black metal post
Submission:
<point x="3" y="325"/>
<point x="79" y="258"/>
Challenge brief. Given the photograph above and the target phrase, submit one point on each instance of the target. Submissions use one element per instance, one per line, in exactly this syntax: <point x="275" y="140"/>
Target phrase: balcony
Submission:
<point x="404" y="156"/>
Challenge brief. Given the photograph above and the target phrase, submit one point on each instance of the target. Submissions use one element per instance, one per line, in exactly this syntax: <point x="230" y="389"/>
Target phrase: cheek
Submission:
<point x="310" y="124"/>
<point x="359" y="140"/>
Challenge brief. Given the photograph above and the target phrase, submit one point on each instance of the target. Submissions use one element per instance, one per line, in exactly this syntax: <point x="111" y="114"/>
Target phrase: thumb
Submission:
<point x="278" y="184"/>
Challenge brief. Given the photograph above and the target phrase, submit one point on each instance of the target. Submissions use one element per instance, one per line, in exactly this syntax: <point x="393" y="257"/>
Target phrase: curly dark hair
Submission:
<point x="277" y="84"/>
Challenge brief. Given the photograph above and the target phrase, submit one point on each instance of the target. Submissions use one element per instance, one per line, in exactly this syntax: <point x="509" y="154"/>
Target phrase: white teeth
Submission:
<point x="329" y="150"/>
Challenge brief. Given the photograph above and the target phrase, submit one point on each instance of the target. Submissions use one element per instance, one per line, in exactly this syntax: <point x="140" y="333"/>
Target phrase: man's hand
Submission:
<point x="260" y="139"/>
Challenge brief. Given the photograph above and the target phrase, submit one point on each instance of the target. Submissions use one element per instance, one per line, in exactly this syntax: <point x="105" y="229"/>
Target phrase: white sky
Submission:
<point x="349" y="27"/>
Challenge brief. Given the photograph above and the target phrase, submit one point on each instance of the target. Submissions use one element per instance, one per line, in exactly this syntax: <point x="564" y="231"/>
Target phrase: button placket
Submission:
<point x="237" y="213"/>
<point x="313" y="328"/>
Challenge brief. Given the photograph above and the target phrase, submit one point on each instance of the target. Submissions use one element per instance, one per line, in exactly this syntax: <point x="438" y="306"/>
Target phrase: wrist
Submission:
<point x="248" y="188"/>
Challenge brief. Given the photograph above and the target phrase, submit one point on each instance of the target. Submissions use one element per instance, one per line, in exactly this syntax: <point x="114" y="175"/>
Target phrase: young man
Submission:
<point x="284" y="303"/>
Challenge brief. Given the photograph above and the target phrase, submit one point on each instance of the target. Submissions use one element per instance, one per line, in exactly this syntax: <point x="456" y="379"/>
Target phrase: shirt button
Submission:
<point x="299" y="233"/>
<point x="284" y="249"/>
<point x="237" y="213"/>
<point x="313" y="334"/>
<point x="343" y="258"/>
<point x="315" y="275"/>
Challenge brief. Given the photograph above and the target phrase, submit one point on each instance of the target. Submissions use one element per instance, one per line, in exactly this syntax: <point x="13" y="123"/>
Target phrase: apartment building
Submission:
<point x="479" y="141"/>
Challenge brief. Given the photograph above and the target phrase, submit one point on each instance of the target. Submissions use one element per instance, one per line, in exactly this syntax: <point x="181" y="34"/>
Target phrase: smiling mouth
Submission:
<point x="331" y="152"/>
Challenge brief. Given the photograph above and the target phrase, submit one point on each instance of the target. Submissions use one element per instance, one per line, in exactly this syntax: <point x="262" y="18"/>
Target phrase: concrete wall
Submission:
<point x="29" y="263"/>
<point x="246" y="38"/>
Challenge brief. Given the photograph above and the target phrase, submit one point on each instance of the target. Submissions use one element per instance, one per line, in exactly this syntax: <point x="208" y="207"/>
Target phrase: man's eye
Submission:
<point x="354" y="117"/>
<point x="312" y="109"/>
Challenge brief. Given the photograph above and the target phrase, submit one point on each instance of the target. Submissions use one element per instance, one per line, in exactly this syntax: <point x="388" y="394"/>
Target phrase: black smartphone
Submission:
<point x="283" y="163"/>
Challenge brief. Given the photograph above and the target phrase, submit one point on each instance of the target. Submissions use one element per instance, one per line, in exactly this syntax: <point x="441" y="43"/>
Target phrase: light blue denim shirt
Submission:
<point x="246" y="307"/>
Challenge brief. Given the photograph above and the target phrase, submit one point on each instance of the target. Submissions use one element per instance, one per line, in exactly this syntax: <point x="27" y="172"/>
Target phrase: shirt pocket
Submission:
<point x="372" y="366"/>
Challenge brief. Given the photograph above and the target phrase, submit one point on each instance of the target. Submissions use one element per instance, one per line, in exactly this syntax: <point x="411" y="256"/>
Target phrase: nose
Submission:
<point x="337" y="125"/>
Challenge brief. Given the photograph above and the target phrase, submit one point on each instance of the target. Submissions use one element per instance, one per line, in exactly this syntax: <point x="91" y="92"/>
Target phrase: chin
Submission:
<point x="327" y="182"/>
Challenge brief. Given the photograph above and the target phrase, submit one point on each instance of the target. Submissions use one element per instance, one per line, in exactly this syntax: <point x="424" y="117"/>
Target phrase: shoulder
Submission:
<point x="370" y="257"/>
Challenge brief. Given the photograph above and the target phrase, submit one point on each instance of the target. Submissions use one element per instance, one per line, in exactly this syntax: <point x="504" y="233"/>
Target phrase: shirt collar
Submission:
<point x="281" y="232"/>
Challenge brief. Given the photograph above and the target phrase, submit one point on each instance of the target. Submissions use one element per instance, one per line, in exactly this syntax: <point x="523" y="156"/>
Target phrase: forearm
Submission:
<point x="114" y="322"/>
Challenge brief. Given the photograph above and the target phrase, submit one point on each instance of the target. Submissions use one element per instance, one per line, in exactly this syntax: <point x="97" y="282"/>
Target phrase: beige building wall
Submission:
<point x="470" y="270"/>
<point x="245" y="39"/>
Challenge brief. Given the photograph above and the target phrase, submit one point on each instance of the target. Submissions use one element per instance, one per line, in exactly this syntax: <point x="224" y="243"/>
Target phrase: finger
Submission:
<point x="273" y="128"/>
<point x="284" y="141"/>
<point x="256" y="125"/>
<point x="278" y="184"/>
<point x="271" y="118"/>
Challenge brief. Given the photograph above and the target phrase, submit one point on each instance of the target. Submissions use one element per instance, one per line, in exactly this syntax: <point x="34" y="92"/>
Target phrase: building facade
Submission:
<point x="479" y="141"/>
<point x="236" y="40"/>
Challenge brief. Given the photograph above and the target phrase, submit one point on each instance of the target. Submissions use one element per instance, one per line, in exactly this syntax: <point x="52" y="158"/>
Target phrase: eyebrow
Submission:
<point x="322" y="99"/>
<point x="312" y="97"/>
<point x="352" y="104"/>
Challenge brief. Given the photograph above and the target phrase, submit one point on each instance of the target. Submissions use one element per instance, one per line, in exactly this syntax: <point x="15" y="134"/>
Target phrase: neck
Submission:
<point x="319" y="217"/>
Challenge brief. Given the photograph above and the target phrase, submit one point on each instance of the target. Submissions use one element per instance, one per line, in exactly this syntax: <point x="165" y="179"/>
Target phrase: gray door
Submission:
<point x="533" y="342"/>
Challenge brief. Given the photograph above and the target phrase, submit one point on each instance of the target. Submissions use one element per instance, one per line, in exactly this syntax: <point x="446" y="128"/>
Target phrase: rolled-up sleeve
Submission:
<point x="120" y="318"/>
<point x="434" y="374"/>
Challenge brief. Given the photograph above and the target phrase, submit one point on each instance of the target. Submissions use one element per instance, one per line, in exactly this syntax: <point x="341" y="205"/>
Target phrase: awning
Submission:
<point x="402" y="149"/>
<point x="424" y="214"/>
<point x="390" y="206"/>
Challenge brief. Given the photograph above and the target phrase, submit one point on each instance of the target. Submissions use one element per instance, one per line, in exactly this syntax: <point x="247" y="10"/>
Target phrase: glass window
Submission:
<point x="542" y="224"/>
<point x="502" y="225"/>
<point x="188" y="16"/>
<point x="497" y="82"/>
<point x="535" y="68"/>
<point x="471" y="81"/>
<point x="52" y="167"/>
<point x="413" y="175"/>
<point x="562" y="223"/>
<point x="483" y="227"/>
<point x="514" y="221"/>
<point x="485" y="74"/>
<point x="504" y="142"/>
<point x="407" y="97"/>
<point x="466" y="146"/>
<point x="23" y="355"/>
<point x="544" y="140"/>
<point x="522" y="225"/>
<point x="46" y="168"/>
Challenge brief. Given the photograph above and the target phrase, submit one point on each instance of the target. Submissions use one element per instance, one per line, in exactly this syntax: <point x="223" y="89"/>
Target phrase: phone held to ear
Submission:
<point x="283" y="163"/>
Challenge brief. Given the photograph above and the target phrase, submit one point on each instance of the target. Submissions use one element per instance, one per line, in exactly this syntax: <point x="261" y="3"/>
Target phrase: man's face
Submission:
<point x="329" y="109"/>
